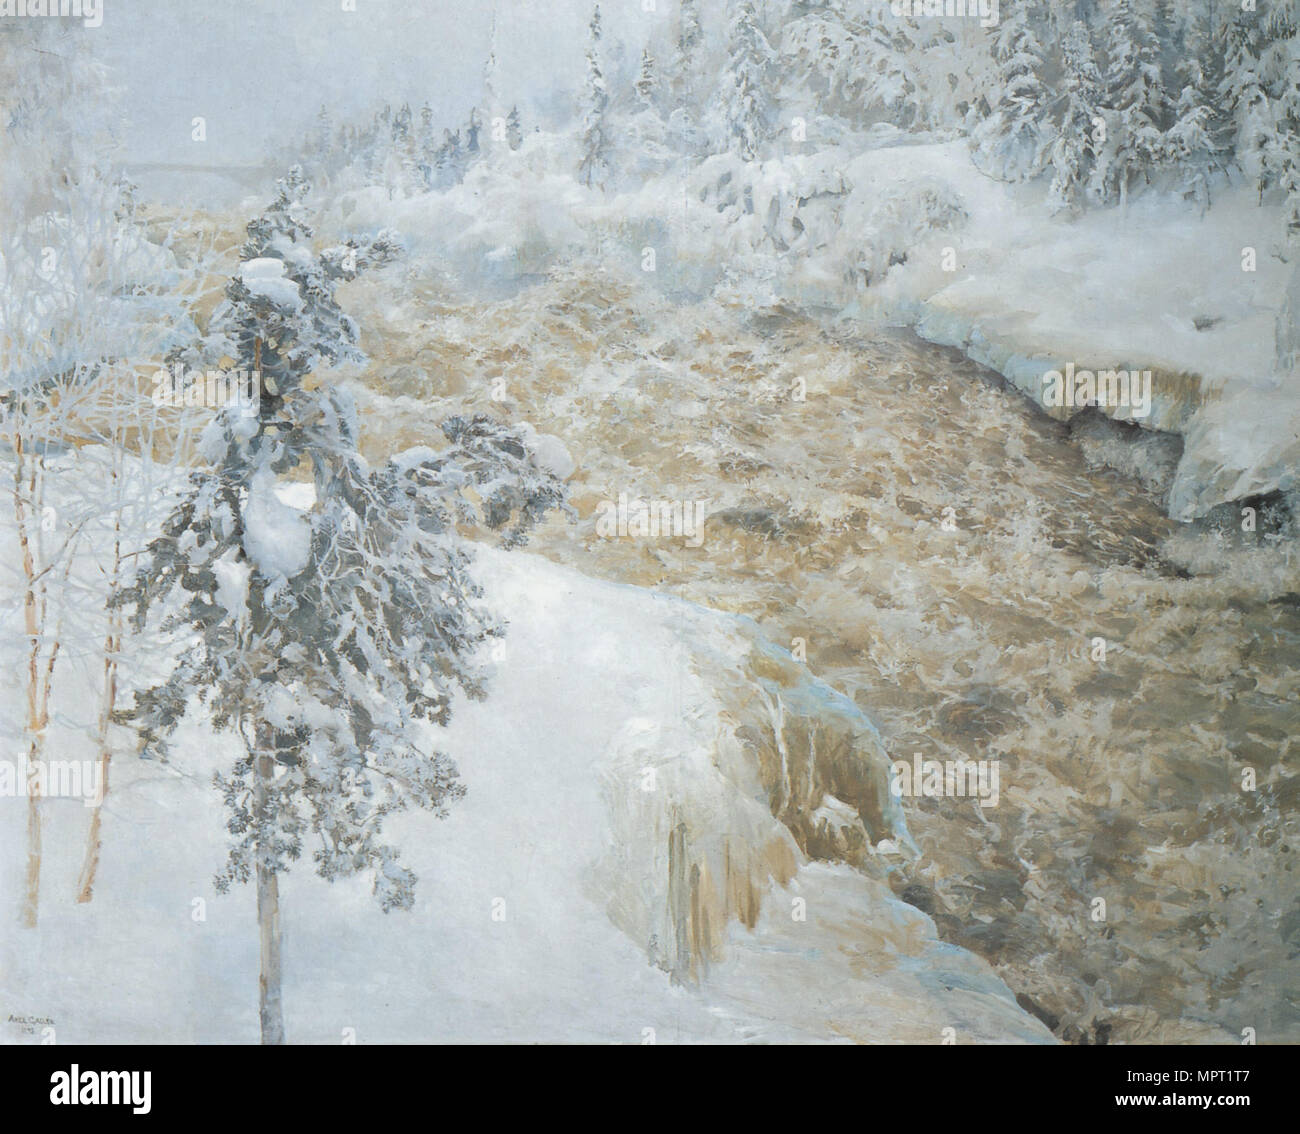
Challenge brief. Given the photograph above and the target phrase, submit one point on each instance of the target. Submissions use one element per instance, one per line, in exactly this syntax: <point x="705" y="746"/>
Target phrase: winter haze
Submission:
<point x="697" y="521"/>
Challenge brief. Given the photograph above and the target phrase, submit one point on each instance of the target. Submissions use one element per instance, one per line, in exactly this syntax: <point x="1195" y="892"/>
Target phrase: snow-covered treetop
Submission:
<point x="327" y="631"/>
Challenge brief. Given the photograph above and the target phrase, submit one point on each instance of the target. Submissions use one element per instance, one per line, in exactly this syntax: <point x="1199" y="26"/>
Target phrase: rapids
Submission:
<point x="983" y="581"/>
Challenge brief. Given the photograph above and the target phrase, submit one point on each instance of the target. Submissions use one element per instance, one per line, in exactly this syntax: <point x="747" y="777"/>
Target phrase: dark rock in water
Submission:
<point x="922" y="897"/>
<point x="997" y="886"/>
<point x="979" y="717"/>
<point x="1030" y="1005"/>
<point x="761" y="521"/>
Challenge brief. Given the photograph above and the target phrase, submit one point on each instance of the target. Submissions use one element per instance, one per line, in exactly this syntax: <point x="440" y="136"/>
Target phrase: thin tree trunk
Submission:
<point x="270" y="1007"/>
<point x="89" y="867"/>
<point x="32" y="785"/>
<point x="35" y="757"/>
<point x="112" y="644"/>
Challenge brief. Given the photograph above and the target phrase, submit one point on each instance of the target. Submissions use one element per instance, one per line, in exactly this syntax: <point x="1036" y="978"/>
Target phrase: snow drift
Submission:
<point x="672" y="832"/>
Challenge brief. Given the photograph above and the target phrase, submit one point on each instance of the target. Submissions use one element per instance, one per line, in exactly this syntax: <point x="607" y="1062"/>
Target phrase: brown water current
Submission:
<point x="952" y="560"/>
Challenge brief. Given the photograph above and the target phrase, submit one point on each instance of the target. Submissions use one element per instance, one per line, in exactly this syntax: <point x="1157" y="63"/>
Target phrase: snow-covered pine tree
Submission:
<point x="647" y="80"/>
<point x="1136" y="97"/>
<point x="1072" y="152"/>
<point x="746" y="89"/>
<point x="350" y="144"/>
<point x="593" y="168"/>
<point x="1200" y="46"/>
<point x="1089" y="11"/>
<point x="323" y="639"/>
<point x="514" y="134"/>
<point x="895" y="62"/>
<point x="1010" y="144"/>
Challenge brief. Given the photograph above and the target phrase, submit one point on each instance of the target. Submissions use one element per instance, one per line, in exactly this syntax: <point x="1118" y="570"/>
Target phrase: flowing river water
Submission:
<point x="954" y="561"/>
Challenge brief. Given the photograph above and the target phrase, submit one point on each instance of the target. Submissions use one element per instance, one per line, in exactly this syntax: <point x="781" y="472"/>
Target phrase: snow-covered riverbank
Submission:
<point x="1155" y="287"/>
<point x="615" y="872"/>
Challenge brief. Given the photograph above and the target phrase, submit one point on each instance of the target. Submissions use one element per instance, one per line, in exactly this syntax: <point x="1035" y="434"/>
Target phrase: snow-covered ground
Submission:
<point x="606" y="763"/>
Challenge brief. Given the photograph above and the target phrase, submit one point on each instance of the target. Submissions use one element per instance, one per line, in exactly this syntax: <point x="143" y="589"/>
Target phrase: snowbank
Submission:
<point x="1155" y="288"/>
<point x="615" y="873"/>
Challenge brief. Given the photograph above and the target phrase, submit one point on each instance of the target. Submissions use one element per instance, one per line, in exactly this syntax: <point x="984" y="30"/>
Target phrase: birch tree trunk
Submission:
<point x="112" y="646"/>
<point x="90" y="866"/>
<point x="31" y="623"/>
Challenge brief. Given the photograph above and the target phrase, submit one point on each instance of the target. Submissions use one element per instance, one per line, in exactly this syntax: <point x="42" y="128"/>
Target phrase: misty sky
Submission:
<point x="258" y="70"/>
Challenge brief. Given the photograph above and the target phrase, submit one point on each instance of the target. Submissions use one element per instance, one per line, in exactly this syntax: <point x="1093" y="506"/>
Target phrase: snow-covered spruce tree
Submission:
<point x="1010" y="144"/>
<point x="426" y="149"/>
<point x="402" y="122"/>
<point x="746" y="89"/>
<point x="492" y="72"/>
<point x="1192" y="144"/>
<point x="647" y="81"/>
<point x="1168" y="28"/>
<point x="1072" y="152"/>
<point x="1281" y="20"/>
<point x="1280" y="73"/>
<point x="326" y="639"/>
<point x="860" y="66"/>
<point x="373" y="147"/>
<point x="321" y="147"/>
<point x="426" y="134"/>
<point x="1288" y="126"/>
<point x="593" y="168"/>
<point x="514" y="134"/>
<point x="891" y="79"/>
<point x="449" y="164"/>
<point x="473" y="127"/>
<point x="1243" y="97"/>
<point x="1283" y="56"/>
<point x="819" y="52"/>
<point x="684" y="75"/>
<point x="1136" y="99"/>
<point x="690" y="39"/>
